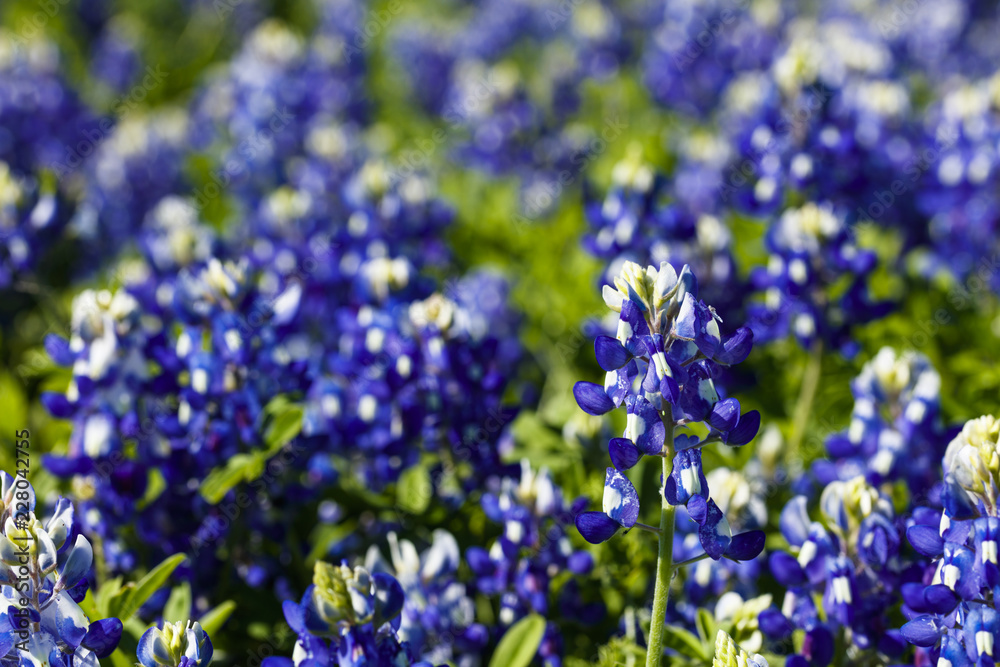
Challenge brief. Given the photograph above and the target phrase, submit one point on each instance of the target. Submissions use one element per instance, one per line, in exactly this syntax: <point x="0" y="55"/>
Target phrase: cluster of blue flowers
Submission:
<point x="847" y="562"/>
<point x="952" y="609"/>
<point x="534" y="549"/>
<point x="173" y="372"/>
<point x="47" y="570"/>
<point x="46" y="573"/>
<point x="348" y="618"/>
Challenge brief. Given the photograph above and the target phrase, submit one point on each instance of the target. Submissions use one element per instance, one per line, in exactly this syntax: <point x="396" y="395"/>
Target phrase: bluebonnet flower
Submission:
<point x="278" y="97"/>
<point x="347" y="618"/>
<point x="679" y="343"/>
<point x="957" y="188"/>
<point x="41" y="117"/>
<point x="951" y="612"/>
<point x="696" y="48"/>
<point x="895" y="431"/>
<point x="175" y="645"/>
<point x="115" y="59"/>
<point x="46" y="569"/>
<point x="533" y="549"/>
<point x="729" y="654"/>
<point x="812" y="249"/>
<point x="33" y="215"/>
<point x="125" y="175"/>
<point x="841" y="575"/>
<point x="438" y="617"/>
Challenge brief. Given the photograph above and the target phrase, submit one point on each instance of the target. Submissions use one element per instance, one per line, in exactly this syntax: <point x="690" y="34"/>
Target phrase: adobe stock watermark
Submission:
<point x="556" y="17"/>
<point x="247" y="150"/>
<point x="375" y="23"/>
<point x="542" y="196"/>
<point x="694" y="47"/>
<point x="897" y="17"/>
<point x="33" y="25"/>
<point x="122" y="107"/>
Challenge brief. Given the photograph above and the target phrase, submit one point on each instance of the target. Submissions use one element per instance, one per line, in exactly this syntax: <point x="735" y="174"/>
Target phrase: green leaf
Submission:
<point x="684" y="642"/>
<point x="520" y="643"/>
<point x="413" y="493"/>
<point x="215" y="617"/>
<point x="707" y="627"/>
<point x="157" y="485"/>
<point x="246" y="467"/>
<point x="89" y="606"/>
<point x="178" y="607"/>
<point x="240" y="468"/>
<point x="139" y="592"/>
<point x="103" y="595"/>
<point x="286" y="425"/>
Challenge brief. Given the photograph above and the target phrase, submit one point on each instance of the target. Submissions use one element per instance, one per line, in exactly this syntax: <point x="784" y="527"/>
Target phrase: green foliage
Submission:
<point x="284" y="421"/>
<point x="520" y="643"/>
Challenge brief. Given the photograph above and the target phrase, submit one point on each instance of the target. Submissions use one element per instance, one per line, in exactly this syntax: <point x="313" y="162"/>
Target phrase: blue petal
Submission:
<point x="913" y="596"/>
<point x="596" y="527"/>
<point x="687" y="478"/>
<point x="295" y="616"/>
<point x="611" y="354"/>
<point x="103" y="636"/>
<point x="145" y="649"/>
<point x="956" y="501"/>
<point x="921" y="631"/>
<point x="746" y="429"/>
<point x="795" y="521"/>
<point x="818" y="645"/>
<point x="78" y="563"/>
<point x="714" y="533"/>
<point x="644" y="426"/>
<point x="697" y="509"/>
<point x="774" y="624"/>
<point x="939" y="599"/>
<point x="786" y="569"/>
<point x="685" y="325"/>
<point x="725" y="415"/>
<point x="592" y="398"/>
<point x="925" y="540"/>
<point x="618" y="383"/>
<point x="57" y="404"/>
<point x="736" y="348"/>
<point x="624" y="454"/>
<point x="621" y="502"/>
<point x="389" y="597"/>
<point x="632" y="327"/>
<point x="746" y="546"/>
<point x="58" y="348"/>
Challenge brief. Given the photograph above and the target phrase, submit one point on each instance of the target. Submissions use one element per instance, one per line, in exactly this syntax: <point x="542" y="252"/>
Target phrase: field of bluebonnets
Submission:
<point x="499" y="333"/>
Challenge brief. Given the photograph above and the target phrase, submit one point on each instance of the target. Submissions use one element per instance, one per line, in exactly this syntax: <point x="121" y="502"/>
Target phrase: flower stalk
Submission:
<point x="664" y="560"/>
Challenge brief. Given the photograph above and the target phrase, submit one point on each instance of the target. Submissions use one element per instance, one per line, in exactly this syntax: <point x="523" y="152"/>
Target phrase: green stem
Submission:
<point x="690" y="561"/>
<point x="664" y="561"/>
<point x="803" y="408"/>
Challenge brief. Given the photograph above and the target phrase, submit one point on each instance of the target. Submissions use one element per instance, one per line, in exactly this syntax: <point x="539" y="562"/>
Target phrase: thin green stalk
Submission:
<point x="664" y="561"/>
<point x="803" y="408"/>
